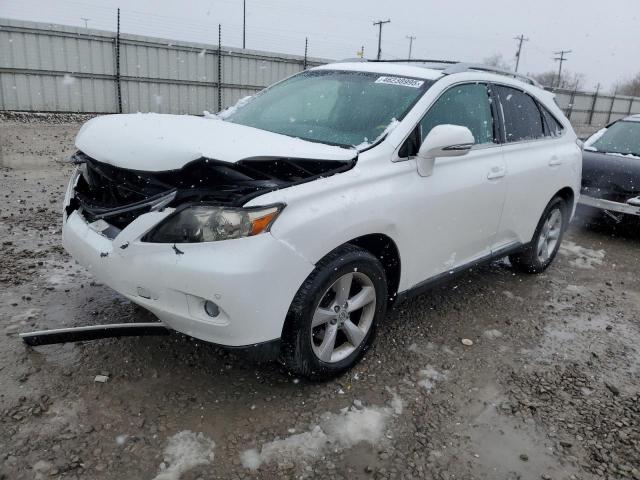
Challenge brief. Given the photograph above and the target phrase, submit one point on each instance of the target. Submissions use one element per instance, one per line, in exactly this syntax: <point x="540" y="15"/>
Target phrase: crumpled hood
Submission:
<point x="160" y="142"/>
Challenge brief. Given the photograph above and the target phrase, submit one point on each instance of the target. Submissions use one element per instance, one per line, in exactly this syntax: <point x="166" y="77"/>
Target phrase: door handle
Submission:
<point x="554" y="161"/>
<point x="496" y="172"/>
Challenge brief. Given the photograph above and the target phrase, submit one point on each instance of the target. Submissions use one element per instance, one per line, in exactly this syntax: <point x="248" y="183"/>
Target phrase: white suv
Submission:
<point x="292" y="221"/>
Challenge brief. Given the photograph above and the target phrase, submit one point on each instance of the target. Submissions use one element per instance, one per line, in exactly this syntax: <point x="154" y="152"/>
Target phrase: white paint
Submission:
<point x="184" y="451"/>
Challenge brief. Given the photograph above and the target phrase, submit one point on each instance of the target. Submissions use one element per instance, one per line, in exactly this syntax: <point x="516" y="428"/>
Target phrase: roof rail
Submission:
<point x="449" y="67"/>
<point x="416" y="60"/>
<point x="465" y="67"/>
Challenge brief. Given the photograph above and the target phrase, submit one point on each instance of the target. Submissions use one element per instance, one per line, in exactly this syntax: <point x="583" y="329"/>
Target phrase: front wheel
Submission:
<point x="333" y="317"/>
<point x="539" y="254"/>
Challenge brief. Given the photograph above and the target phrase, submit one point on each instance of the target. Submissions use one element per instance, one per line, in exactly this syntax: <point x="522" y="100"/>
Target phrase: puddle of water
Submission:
<point x="498" y="442"/>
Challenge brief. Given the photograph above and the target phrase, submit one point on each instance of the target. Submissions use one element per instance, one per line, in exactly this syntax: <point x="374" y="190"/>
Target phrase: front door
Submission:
<point x="457" y="209"/>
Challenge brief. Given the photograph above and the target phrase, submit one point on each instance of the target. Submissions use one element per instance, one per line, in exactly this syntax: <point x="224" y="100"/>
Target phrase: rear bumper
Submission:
<point x="252" y="280"/>
<point x="609" y="205"/>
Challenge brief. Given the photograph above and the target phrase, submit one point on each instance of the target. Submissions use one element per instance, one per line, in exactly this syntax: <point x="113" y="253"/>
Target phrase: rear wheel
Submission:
<point x="333" y="317"/>
<point x="546" y="240"/>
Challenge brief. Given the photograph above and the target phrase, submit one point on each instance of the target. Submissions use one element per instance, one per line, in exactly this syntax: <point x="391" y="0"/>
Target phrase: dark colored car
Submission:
<point x="611" y="169"/>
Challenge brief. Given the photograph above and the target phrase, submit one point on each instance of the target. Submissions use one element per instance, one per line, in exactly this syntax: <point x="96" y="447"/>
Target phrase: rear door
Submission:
<point x="535" y="153"/>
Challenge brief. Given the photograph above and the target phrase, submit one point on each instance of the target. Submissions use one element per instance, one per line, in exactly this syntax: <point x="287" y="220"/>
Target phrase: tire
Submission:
<point x="304" y="348"/>
<point x="544" y="245"/>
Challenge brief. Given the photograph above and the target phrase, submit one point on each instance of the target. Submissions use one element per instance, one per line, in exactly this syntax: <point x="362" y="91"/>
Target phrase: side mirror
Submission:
<point x="443" y="141"/>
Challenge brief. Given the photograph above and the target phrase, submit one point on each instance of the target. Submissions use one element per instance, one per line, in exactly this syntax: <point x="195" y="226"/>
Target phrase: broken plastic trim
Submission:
<point x="105" y="191"/>
<point x="155" y="203"/>
<point x="93" y="332"/>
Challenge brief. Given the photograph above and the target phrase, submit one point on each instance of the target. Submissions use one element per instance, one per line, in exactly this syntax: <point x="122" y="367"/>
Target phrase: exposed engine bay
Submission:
<point x="118" y="195"/>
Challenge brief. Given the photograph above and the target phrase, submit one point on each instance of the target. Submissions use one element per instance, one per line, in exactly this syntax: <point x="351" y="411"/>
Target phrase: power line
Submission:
<point x="411" y="39"/>
<point x="520" y="39"/>
<point x="380" y="23"/>
<point x="560" y="59"/>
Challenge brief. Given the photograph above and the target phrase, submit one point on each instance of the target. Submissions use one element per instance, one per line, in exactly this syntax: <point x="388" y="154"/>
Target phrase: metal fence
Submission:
<point x="590" y="111"/>
<point x="56" y="68"/>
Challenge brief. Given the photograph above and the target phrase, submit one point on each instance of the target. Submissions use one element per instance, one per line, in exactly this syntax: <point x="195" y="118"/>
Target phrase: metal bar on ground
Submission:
<point x="93" y="332"/>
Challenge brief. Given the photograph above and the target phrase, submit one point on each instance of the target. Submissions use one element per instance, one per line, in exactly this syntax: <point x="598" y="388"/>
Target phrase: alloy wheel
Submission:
<point x="549" y="235"/>
<point x="343" y="317"/>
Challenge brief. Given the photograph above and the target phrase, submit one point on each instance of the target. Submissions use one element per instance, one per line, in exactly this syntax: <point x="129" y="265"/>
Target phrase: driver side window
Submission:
<point x="467" y="105"/>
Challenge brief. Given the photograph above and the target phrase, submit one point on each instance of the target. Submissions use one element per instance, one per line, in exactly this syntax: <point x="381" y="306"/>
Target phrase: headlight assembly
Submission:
<point x="209" y="223"/>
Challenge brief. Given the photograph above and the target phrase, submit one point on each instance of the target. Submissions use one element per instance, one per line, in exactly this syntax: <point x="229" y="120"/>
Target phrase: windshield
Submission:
<point x="333" y="107"/>
<point x="621" y="137"/>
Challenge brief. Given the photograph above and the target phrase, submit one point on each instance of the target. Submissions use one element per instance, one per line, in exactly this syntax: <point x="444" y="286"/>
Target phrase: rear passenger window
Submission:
<point x="522" y="118"/>
<point x="553" y="128"/>
<point x="466" y="105"/>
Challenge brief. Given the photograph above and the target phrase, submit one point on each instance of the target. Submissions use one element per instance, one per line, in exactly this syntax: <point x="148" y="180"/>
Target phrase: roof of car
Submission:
<point x="385" y="68"/>
<point x="633" y="118"/>
<point x="427" y="69"/>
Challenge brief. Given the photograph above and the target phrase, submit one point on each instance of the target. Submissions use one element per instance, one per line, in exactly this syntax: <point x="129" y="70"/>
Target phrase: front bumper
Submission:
<point x="252" y="280"/>
<point x="609" y="205"/>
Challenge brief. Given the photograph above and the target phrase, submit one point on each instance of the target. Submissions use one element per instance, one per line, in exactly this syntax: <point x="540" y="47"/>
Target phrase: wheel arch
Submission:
<point x="384" y="248"/>
<point x="567" y="195"/>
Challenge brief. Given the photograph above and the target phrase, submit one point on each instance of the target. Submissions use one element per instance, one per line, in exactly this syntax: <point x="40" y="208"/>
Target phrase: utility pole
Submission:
<point x="306" y="48"/>
<point x="520" y="39"/>
<point x="560" y="59"/>
<point x="86" y="20"/>
<point x="380" y="23"/>
<point x="244" y="24"/>
<point x="411" y="39"/>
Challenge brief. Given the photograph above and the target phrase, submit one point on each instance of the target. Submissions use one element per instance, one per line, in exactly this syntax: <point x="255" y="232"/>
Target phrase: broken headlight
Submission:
<point x="203" y="223"/>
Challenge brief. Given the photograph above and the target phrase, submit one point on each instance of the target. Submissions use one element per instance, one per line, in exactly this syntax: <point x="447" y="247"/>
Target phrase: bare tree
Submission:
<point x="497" y="60"/>
<point x="567" y="80"/>
<point x="629" y="87"/>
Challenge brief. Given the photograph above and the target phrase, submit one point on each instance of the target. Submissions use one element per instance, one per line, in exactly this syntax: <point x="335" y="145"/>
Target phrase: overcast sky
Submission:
<point x="604" y="36"/>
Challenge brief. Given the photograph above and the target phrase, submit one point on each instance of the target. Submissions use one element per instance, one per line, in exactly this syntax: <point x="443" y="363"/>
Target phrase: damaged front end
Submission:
<point x="111" y="197"/>
<point x="611" y="183"/>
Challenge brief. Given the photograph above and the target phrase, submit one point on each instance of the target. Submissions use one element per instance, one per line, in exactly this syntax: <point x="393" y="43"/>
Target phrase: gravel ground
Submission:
<point x="548" y="390"/>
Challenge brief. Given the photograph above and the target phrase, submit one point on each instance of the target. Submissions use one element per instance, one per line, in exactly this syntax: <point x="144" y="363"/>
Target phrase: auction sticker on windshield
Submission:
<point x="405" y="82"/>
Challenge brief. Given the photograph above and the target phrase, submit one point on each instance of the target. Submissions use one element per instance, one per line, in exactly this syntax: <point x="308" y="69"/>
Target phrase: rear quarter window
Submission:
<point x="553" y="128"/>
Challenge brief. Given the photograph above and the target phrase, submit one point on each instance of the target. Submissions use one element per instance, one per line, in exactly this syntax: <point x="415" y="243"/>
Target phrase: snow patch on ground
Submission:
<point x="492" y="334"/>
<point x="397" y="404"/>
<point x="512" y="296"/>
<point x="184" y="451"/>
<point x="334" y="431"/>
<point x="429" y="376"/>
<point x="584" y="257"/>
